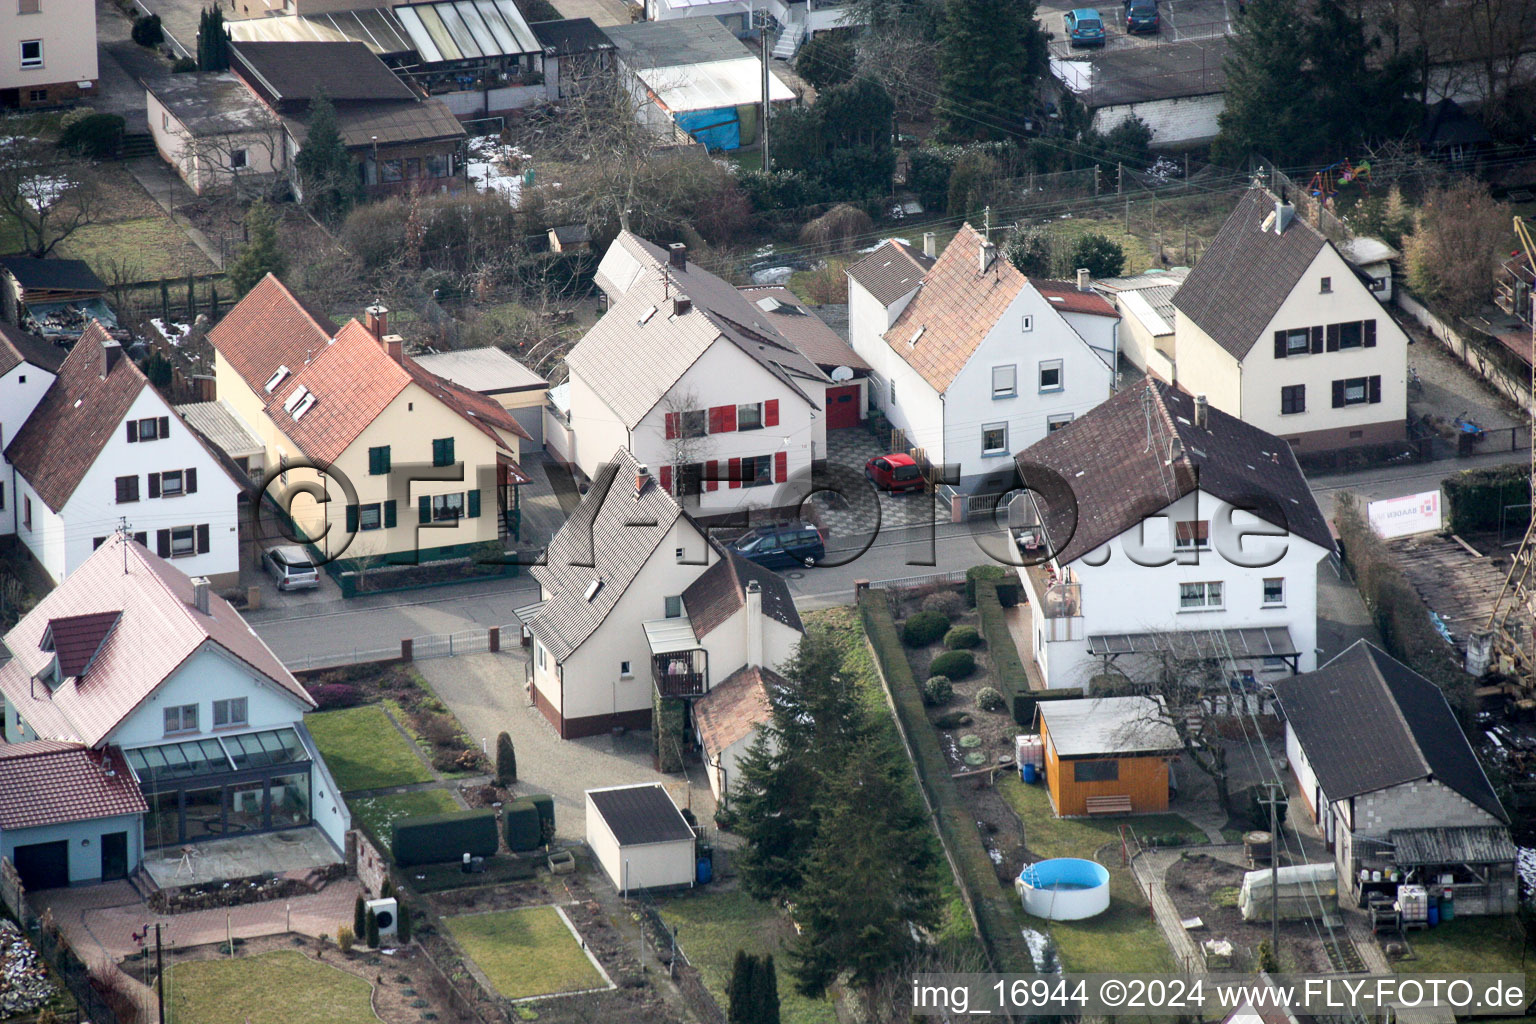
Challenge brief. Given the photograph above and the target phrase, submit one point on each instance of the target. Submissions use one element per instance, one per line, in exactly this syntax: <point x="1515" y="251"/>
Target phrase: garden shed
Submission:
<point x="640" y="837"/>
<point x="1107" y="755"/>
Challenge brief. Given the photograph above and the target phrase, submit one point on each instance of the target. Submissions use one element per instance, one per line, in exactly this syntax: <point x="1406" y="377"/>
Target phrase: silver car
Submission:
<point x="292" y="568"/>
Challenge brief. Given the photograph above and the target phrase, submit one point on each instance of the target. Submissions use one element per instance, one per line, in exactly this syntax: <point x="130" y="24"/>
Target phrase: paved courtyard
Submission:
<point x="292" y="852"/>
<point x="852" y="516"/>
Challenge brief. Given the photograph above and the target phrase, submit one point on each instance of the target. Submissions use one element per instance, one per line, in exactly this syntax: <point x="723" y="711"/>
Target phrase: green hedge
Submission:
<point x="998" y="925"/>
<point x="955" y="664"/>
<point x="436" y="838"/>
<point x="545" y="805"/>
<point x="524" y="830"/>
<point x="1475" y="498"/>
<point x="1012" y="679"/>
<point x="1028" y="702"/>
<point x="981" y="572"/>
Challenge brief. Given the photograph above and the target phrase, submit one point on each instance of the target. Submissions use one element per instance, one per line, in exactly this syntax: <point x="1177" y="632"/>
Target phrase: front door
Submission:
<point x="842" y="407"/>
<point x="114" y="856"/>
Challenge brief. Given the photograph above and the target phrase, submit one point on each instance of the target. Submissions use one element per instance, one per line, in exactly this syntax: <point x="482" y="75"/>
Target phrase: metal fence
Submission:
<point x="430" y="645"/>
<point x="683" y="973"/>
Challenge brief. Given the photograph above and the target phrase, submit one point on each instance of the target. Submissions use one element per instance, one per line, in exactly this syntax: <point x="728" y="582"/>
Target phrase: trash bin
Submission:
<point x="1027" y="773"/>
<point x="1448" y="905"/>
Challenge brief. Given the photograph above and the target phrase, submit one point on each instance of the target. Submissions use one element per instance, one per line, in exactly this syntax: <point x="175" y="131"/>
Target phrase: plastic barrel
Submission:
<point x="1434" y="913"/>
<point x="1447" y="907"/>
<point x="1029" y="774"/>
<point x="706" y="870"/>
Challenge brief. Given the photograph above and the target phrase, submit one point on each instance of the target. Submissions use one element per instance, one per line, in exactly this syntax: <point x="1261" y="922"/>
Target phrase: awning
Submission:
<point x="526" y="613"/>
<point x="1214" y="644"/>
<point x="467" y="30"/>
<point x="670" y="636"/>
<point x="1425" y="847"/>
<point x="377" y="28"/>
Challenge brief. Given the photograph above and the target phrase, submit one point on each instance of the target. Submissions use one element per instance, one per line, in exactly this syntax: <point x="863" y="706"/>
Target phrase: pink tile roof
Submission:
<point x="157" y="632"/>
<point x="49" y="783"/>
<point x="1068" y="298"/>
<point x="735" y="706"/>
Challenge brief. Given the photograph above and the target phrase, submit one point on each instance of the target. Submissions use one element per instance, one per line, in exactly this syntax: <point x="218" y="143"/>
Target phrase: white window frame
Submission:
<point x="234" y="712"/>
<point x="1047" y="365"/>
<point x="538" y="650"/>
<point x="1056" y="421"/>
<point x="1027" y="323"/>
<point x="1210" y="596"/>
<point x="1278" y="602"/>
<point x="626" y="670"/>
<point x="166" y="491"/>
<point x="191" y="544"/>
<point x="672" y="607"/>
<point x="238" y="159"/>
<point x="1365" y="391"/>
<point x="747" y="410"/>
<point x="29" y="63"/>
<point x="1325" y="285"/>
<point x="1010" y="387"/>
<point x="993" y="452"/>
<point x="448" y="508"/>
<point x="183" y="713"/>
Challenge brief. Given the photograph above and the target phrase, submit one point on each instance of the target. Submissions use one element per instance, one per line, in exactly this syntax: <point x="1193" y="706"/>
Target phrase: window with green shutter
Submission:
<point x="378" y="460"/>
<point x="474" y="504"/>
<point x="390" y="518"/>
<point x="424" y="509"/>
<point x="351" y="518"/>
<point x="442" y="451"/>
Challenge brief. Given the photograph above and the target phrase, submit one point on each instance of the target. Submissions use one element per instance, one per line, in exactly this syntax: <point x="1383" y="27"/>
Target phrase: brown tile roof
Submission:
<point x="891" y="271"/>
<point x="270" y="327"/>
<point x="805" y="330"/>
<point x="1117" y="479"/>
<point x="1237" y="286"/>
<point x="159" y="629"/>
<point x="82" y="410"/>
<point x="75" y="639"/>
<point x="1066" y="297"/>
<point x="721" y="591"/>
<point x="735" y="706"/>
<point x="481" y="410"/>
<point x="955" y="308"/>
<point x="47" y="783"/>
<point x="17" y="347"/>
<point x="353" y="381"/>
<point x="344" y="72"/>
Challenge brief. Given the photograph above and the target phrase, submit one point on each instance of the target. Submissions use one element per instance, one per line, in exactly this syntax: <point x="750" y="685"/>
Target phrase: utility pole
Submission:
<point x="159" y="972"/>
<point x="1274" y="872"/>
<point x="767" y="159"/>
<point x="1120" y="178"/>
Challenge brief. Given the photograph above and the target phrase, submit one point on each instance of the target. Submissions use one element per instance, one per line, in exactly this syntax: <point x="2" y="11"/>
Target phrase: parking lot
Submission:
<point x="1181" y="20"/>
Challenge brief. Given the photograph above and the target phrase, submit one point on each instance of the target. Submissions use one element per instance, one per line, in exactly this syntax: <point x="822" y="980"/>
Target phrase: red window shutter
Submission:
<point x="727" y="417"/>
<point x="734" y="473"/>
<point x="712" y="475"/>
<point x="771" y="413"/>
<point x="671" y="425"/>
<point x="715" y="418"/>
<point x="780" y="467"/>
<point x="666" y="479"/>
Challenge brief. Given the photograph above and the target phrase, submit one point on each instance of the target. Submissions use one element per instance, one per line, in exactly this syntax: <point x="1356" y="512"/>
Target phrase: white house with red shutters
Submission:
<point x="722" y="393"/>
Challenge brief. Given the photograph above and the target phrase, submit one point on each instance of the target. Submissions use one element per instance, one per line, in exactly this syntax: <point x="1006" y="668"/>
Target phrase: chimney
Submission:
<point x="111" y="352"/>
<point x="1284" y="213"/>
<point x="395" y="346"/>
<point x="754" y="624"/>
<point x="1083" y="279"/>
<point x="681" y="304"/>
<point x="200" y="591"/>
<point x="930" y="244"/>
<point x="642" y="477"/>
<point x="987" y="252"/>
<point x="376" y="319"/>
<point x="677" y="256"/>
<point x="1202" y="412"/>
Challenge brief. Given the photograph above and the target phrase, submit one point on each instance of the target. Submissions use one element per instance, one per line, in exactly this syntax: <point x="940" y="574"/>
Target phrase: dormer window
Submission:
<point x="305" y="404"/>
<point x="276" y="379"/>
<point x="294" y="400"/>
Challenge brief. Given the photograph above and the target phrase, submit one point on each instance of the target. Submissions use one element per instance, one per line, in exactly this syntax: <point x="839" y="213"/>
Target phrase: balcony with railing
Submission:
<point x="1060" y="596"/>
<point x="679" y="666"/>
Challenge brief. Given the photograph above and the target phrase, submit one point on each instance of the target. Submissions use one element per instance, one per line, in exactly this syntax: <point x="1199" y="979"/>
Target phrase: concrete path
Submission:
<point x="166" y="189"/>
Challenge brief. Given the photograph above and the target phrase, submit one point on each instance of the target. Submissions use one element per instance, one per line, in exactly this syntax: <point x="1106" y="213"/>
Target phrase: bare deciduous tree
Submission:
<point x="48" y="193"/>
<point x="245" y="163"/>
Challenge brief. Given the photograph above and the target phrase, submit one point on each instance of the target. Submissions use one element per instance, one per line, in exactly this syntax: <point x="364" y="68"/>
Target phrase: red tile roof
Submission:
<point x="735" y="706"/>
<point x="270" y="327"/>
<point x="49" y="783"/>
<point x="1066" y="297"/>
<point x="75" y="639"/>
<point x="159" y="629"/>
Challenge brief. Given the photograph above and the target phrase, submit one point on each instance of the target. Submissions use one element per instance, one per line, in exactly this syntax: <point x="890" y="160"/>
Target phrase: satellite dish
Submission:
<point x="842" y="373"/>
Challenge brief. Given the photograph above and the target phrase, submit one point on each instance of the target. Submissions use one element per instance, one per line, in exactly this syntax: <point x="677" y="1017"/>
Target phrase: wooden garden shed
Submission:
<point x="1107" y="755"/>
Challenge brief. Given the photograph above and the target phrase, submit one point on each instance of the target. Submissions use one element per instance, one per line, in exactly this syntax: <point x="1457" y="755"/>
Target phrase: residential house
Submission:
<point x="693" y="81"/>
<point x="1275" y="327"/>
<point x="846" y="400"/>
<point x="1386" y="772"/>
<point x="1177" y="87"/>
<point x="53" y="60"/>
<point x="1145" y="303"/>
<point x="400" y="141"/>
<point x="635" y="609"/>
<point x="28" y="367"/>
<point x="1160" y="526"/>
<point x="496" y="375"/>
<point x="54" y="298"/>
<point x="971" y="359"/>
<point x="142" y="712"/>
<point x="699" y="382"/>
<point x="103" y="451"/>
<point x="427" y="469"/>
<point x="1107" y="754"/>
<point x="214" y="131"/>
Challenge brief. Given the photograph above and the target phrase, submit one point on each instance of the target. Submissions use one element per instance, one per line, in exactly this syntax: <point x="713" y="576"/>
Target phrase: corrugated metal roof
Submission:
<point x="1477" y="844"/>
<point x="455" y="30"/>
<point x="669" y="636"/>
<point x="711" y="85"/>
<point x="378" y="29"/>
<point x="223" y="428"/>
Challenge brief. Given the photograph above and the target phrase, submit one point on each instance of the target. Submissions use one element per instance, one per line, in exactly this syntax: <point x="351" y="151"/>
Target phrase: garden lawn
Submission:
<point x="284" y="987"/>
<point x="1123" y="939"/>
<point x="528" y="952"/>
<point x="378" y="813"/>
<point x="364" y="749"/>
<point x="1466" y="945"/>
<point x="712" y="927"/>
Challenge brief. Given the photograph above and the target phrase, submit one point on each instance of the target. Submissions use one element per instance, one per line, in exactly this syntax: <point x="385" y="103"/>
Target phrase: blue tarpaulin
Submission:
<point x="717" y="129"/>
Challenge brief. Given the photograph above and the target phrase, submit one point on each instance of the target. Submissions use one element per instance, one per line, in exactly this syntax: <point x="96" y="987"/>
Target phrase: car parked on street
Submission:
<point x="1085" y="27"/>
<point x="291" y="567"/>
<point x="895" y="473"/>
<point x="786" y="544"/>
<point x="1141" y="17"/>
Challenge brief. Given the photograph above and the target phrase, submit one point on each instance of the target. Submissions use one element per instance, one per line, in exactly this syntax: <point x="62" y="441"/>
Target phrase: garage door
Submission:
<point x="843" y="407"/>
<point x="43" y="865"/>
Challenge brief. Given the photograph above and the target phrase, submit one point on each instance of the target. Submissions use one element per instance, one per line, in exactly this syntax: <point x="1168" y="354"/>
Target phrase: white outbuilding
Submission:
<point x="639" y="837"/>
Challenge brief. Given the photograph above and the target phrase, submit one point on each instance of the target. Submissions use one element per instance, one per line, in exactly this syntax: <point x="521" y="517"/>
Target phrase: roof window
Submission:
<point x="276" y="379"/>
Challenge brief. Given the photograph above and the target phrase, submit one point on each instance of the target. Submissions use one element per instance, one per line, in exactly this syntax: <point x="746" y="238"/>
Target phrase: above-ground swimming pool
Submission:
<point x="1064" y="889"/>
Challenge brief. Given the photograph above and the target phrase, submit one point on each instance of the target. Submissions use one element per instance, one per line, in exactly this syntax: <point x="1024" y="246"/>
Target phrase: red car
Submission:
<point x="894" y="473"/>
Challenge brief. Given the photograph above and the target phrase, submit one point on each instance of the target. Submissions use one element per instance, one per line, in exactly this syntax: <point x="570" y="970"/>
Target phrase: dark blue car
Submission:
<point x="1141" y="17"/>
<point x="1085" y="27"/>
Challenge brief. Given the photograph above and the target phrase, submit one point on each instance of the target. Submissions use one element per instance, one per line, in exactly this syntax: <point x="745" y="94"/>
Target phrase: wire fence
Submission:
<point x="663" y="938"/>
<point x="483" y="640"/>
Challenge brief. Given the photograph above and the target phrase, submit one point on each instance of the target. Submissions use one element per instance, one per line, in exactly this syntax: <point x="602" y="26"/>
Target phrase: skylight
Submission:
<point x="306" y="404"/>
<point x="917" y="334"/>
<point x="299" y="394"/>
<point x="645" y="317"/>
<point x="276" y="379"/>
<point x="592" y="589"/>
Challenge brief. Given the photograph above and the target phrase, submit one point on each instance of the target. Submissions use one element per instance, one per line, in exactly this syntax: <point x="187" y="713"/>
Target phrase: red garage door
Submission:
<point x="843" y="407"/>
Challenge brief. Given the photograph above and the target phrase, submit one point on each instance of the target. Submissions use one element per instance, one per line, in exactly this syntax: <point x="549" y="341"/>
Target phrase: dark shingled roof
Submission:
<point x="344" y="72"/>
<point x="891" y="271"/>
<point x="1368" y="722"/>
<point x="1118" y="479"/>
<point x="75" y="639"/>
<point x="637" y="815"/>
<point x="572" y="35"/>
<point x="17" y="347"/>
<point x="1236" y="288"/>
<point x="52" y="274"/>
<point x="721" y="591"/>
<point x="49" y="783"/>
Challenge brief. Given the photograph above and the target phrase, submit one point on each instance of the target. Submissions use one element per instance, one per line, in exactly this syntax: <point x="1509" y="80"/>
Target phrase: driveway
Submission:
<point x="1181" y="20"/>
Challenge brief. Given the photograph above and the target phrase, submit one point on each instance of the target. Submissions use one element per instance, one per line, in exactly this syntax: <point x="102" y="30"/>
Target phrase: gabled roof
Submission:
<point x="1094" y="726"/>
<point x="954" y="310"/>
<point x="1119" y="477"/>
<point x="605" y="542"/>
<point x="640" y="814"/>
<point x="806" y="331"/>
<point x="1368" y="722"/>
<point x="735" y="706"/>
<point x="81" y="411"/>
<point x="894" y="269"/>
<point x="17" y="347"/>
<point x="270" y="327"/>
<point x="1242" y="279"/>
<point x="47" y="783"/>
<point x="157" y="630"/>
<point x="52" y="274"/>
<point x="721" y="591"/>
<point x="1068" y="298"/>
<point x="344" y="72"/>
<point x="76" y="639"/>
<point x="640" y="348"/>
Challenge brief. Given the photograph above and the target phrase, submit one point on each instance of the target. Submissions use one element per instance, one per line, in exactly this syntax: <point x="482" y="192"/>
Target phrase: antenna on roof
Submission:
<point x="123" y="526"/>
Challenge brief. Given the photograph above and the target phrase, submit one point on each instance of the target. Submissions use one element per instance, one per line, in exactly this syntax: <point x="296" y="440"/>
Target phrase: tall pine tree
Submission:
<point x="991" y="56"/>
<point x="739" y="1007"/>
<point x="327" y="175"/>
<point x="260" y="255"/>
<point x="766" y="997"/>
<point x="212" y="41"/>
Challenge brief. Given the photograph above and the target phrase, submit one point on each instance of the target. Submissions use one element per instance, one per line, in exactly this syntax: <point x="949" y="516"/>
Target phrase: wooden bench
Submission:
<point x="1108" y="805"/>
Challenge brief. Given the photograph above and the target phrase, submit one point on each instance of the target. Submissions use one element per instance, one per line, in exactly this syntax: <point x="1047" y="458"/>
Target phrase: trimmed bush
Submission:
<point x="945" y="602"/>
<point x="955" y="664"/>
<point x="1024" y="705"/>
<point x="924" y="628"/>
<point x="330" y="696"/>
<point x="346" y="938"/>
<point x="95" y="135"/>
<point x="403" y="923"/>
<point x="438" y="838"/>
<point x="989" y="699"/>
<point x="373" y="929"/>
<point x="522" y="824"/>
<point x="506" y="761"/>
<point x="545" y="804"/>
<point x="953" y="720"/>
<point x="359" y="918"/>
<point x="1012" y="678"/>
<point x="981" y="572"/>
<point x="938" y="690"/>
<point x="147" y="31"/>
<point x="962" y="638"/>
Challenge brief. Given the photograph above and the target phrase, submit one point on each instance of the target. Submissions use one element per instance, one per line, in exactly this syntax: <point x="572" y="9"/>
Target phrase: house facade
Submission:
<point x="1156" y="527"/>
<point x="974" y="361"/>
<point x="1278" y="328"/>
<point x="213" y="131"/>
<point x="414" y="466"/>
<point x="52" y="53"/>
<point x="28" y="366"/>
<point x="103" y="451"/>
